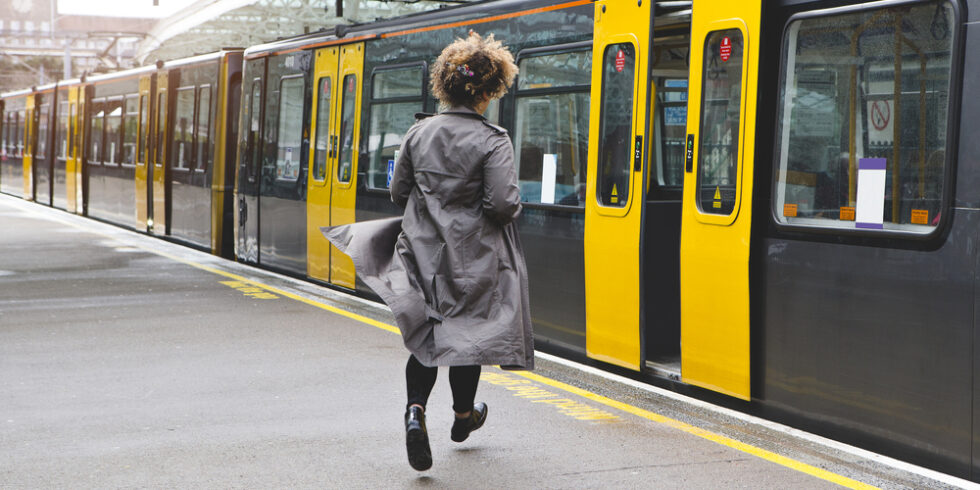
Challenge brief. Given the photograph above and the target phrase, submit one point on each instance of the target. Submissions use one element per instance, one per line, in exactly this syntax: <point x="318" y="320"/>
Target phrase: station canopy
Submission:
<point x="208" y="25"/>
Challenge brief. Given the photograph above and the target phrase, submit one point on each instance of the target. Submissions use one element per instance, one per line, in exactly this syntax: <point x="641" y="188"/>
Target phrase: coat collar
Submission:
<point x="464" y="111"/>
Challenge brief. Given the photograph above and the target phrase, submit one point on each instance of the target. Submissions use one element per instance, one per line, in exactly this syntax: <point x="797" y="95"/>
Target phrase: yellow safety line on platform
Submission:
<point x="697" y="431"/>
<point x="646" y="414"/>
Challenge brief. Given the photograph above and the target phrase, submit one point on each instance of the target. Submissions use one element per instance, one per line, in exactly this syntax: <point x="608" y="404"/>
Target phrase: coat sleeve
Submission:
<point x="403" y="178"/>
<point x="501" y="196"/>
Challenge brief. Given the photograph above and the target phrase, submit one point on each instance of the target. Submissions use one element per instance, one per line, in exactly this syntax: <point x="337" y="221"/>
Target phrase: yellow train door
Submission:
<point x="142" y="155"/>
<point x="73" y="161"/>
<point x="30" y="140"/>
<point x="334" y="149"/>
<point x="158" y="172"/>
<point x="614" y="193"/>
<point x="717" y="203"/>
<point x="321" y="156"/>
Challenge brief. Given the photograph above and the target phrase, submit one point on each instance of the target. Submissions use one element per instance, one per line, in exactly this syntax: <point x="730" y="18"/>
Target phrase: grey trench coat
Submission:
<point x="452" y="269"/>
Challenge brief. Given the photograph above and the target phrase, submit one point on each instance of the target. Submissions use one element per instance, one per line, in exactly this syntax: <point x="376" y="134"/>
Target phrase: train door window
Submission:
<point x="96" y="131"/>
<point x="42" y="131"/>
<point x="396" y="95"/>
<point x="129" y="130"/>
<point x="865" y="97"/>
<point x="183" y="137"/>
<point x="721" y="106"/>
<point x="62" y="134"/>
<point x="5" y="130"/>
<point x="203" y="129"/>
<point x="552" y="127"/>
<point x="290" y="127"/>
<point x="322" y="142"/>
<point x="615" y="125"/>
<point x="161" y="127"/>
<point x="113" y="130"/>
<point x="347" y="113"/>
<point x="255" y="136"/>
<point x="144" y="121"/>
<point x="20" y="133"/>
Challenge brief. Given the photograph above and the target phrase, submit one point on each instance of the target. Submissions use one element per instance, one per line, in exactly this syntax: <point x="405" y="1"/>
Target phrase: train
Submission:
<point x="766" y="204"/>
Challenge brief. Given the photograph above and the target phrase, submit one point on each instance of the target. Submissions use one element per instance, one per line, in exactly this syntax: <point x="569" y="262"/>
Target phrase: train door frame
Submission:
<point x="30" y="140"/>
<point x="343" y="193"/>
<point x="159" y="219"/>
<point x="661" y="227"/>
<point x="247" y="182"/>
<point x="612" y="267"/>
<point x="143" y="191"/>
<point x="73" y="167"/>
<point x="318" y="191"/>
<point x="715" y="322"/>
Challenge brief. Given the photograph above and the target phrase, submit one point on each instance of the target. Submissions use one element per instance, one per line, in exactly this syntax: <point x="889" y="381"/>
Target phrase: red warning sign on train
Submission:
<point x="726" y="48"/>
<point x="620" y="60"/>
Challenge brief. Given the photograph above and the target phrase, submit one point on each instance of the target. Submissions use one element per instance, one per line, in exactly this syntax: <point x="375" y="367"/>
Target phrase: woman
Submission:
<point x="455" y="276"/>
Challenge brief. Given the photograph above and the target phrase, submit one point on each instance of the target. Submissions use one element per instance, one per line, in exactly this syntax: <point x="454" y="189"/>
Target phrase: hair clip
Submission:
<point x="465" y="70"/>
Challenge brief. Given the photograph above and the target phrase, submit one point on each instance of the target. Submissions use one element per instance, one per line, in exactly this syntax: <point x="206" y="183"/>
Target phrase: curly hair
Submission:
<point x="471" y="67"/>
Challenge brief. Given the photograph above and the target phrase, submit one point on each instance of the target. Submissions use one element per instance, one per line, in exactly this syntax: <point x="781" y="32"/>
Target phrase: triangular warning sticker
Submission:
<point x="717" y="193"/>
<point x="614" y="198"/>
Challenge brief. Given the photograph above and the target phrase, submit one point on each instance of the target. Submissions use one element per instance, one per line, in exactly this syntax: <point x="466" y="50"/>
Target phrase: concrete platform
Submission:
<point x="127" y="361"/>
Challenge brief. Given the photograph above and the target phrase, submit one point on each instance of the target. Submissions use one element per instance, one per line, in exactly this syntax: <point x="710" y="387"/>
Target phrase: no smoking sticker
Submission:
<point x="726" y="48"/>
<point x="620" y="60"/>
<point x="880" y="114"/>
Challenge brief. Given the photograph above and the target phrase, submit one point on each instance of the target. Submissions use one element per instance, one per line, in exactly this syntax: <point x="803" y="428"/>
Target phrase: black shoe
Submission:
<point x="417" y="439"/>
<point x="462" y="427"/>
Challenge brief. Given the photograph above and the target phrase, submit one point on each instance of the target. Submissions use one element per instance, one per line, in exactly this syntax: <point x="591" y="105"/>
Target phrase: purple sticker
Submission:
<point x="870" y="226"/>
<point x="872" y="164"/>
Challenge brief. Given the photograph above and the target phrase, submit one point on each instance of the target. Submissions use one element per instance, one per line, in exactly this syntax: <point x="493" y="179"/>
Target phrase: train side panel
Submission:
<point x="11" y="161"/>
<point x="867" y="274"/>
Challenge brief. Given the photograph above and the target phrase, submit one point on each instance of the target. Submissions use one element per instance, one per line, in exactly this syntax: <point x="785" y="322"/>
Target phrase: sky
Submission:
<point x="122" y="8"/>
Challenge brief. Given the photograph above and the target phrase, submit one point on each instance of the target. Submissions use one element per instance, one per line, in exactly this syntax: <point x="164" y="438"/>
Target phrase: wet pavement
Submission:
<point x="128" y="361"/>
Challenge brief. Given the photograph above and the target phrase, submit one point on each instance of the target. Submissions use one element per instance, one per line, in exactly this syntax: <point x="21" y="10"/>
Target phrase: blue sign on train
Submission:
<point x="391" y="172"/>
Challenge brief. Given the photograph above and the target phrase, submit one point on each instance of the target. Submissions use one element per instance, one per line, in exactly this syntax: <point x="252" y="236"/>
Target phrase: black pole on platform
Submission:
<point x="340" y="8"/>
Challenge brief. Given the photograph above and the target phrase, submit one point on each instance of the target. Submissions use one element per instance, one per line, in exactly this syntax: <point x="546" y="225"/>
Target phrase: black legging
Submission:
<point x="462" y="380"/>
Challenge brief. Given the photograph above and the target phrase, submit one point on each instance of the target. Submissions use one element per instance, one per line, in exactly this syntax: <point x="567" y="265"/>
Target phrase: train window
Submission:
<point x="402" y="82"/>
<point x="721" y="106"/>
<point x="348" y="102"/>
<point x="62" y="135"/>
<point x="183" y="138"/>
<point x="322" y="143"/>
<point x="864" y="104"/>
<point x="42" y="132"/>
<point x="255" y="136"/>
<point x="552" y="124"/>
<point x="290" y="128"/>
<point x="203" y="125"/>
<point x="615" y="125"/>
<point x="113" y="130"/>
<point x="161" y="127"/>
<point x="144" y="128"/>
<point x="670" y="131"/>
<point x="556" y="70"/>
<point x="129" y="129"/>
<point x="72" y="130"/>
<point x="95" y="131"/>
<point x="20" y="133"/>
<point x="397" y="94"/>
<point x="5" y="130"/>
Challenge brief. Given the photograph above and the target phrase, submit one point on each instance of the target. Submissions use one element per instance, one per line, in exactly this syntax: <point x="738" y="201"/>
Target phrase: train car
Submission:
<point x="156" y="148"/>
<point x="16" y="177"/>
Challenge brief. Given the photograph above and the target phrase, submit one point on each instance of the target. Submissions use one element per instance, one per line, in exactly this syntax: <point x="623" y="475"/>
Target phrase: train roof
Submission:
<point x="483" y="10"/>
